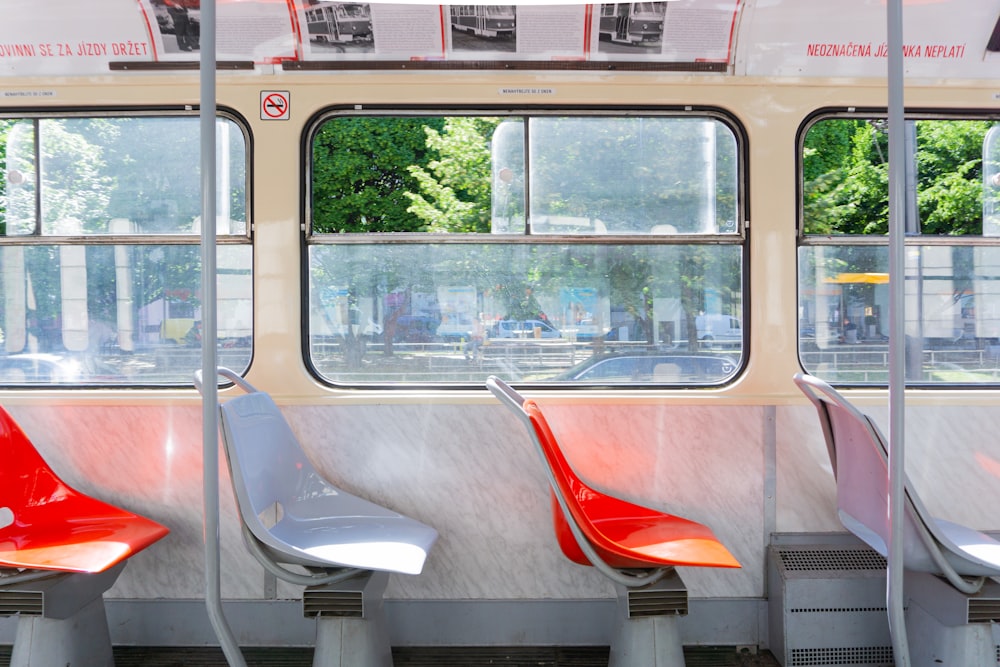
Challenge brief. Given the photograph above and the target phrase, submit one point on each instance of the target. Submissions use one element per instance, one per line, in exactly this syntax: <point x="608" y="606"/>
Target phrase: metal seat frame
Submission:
<point x="340" y="546"/>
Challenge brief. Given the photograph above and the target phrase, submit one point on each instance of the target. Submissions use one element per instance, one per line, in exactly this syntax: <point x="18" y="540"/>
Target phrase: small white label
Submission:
<point x="14" y="94"/>
<point x="527" y="91"/>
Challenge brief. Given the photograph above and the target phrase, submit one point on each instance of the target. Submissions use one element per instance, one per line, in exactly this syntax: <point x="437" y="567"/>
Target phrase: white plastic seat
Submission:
<point x="335" y="536"/>
<point x="934" y="550"/>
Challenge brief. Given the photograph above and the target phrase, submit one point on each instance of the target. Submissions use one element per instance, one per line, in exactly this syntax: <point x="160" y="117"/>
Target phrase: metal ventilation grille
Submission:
<point x="984" y="610"/>
<point x="657" y="602"/>
<point x="873" y="656"/>
<point x="28" y="603"/>
<point x="831" y="559"/>
<point x="332" y="603"/>
<point x="837" y="610"/>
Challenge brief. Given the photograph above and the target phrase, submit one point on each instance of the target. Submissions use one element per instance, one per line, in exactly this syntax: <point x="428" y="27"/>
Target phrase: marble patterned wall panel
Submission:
<point x="806" y="494"/>
<point x="953" y="460"/>
<point x="470" y="471"/>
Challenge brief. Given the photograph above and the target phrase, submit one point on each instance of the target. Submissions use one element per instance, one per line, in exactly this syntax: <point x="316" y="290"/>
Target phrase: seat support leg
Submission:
<point x="933" y="643"/>
<point x="61" y="619"/>
<point x="646" y="632"/>
<point x="937" y="624"/>
<point x="82" y="639"/>
<point x="351" y="629"/>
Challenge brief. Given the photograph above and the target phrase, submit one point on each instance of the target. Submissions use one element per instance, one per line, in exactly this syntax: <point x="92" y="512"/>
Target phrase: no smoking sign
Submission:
<point x="274" y="104"/>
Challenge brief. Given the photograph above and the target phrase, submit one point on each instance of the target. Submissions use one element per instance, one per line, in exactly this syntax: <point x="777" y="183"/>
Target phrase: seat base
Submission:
<point x="937" y="627"/>
<point x="646" y="632"/>
<point x="352" y="632"/>
<point x="81" y="639"/>
<point x="933" y="643"/>
<point x="61" y="619"/>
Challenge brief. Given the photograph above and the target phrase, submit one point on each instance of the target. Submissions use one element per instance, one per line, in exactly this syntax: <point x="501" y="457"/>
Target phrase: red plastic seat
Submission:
<point x="622" y="535"/>
<point x="625" y="535"/>
<point x="47" y="525"/>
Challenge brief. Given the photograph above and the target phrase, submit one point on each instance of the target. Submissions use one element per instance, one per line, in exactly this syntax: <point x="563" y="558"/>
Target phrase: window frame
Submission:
<point x="740" y="237"/>
<point x="39" y="239"/>
<point x="912" y="239"/>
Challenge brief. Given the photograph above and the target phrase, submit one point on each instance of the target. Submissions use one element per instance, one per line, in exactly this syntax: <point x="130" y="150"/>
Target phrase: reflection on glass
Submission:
<point x="655" y="175"/>
<point x="456" y="313"/>
<point x="137" y="175"/>
<point x="117" y="315"/>
<point x="952" y="313"/>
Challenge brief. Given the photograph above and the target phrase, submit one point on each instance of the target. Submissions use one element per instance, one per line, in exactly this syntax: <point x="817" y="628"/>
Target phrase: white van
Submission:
<point x="718" y="327"/>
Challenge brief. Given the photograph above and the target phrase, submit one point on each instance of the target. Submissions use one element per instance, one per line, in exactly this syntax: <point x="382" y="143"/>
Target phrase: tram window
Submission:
<point x="952" y="302"/>
<point x="443" y="249"/>
<point x="100" y="263"/>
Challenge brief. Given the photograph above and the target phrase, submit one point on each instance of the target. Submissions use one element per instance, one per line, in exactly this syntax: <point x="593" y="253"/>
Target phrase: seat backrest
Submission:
<point x="566" y="485"/>
<point x="46" y="524"/>
<point x="293" y="515"/>
<point x="630" y="544"/>
<point x="859" y="456"/>
<point x="579" y="539"/>
<point x="29" y="486"/>
<point x="568" y="516"/>
<point x="267" y="463"/>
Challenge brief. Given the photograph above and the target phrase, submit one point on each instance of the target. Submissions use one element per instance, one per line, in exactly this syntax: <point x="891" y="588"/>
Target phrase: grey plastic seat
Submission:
<point x="950" y="594"/>
<point x="339" y="539"/>
<point x="859" y="455"/>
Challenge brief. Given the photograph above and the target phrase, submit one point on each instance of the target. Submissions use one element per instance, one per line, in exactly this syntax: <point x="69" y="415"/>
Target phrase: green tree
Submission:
<point x="826" y="158"/>
<point x="5" y="127"/>
<point x="950" y="176"/>
<point x="360" y="177"/>
<point x="455" y="193"/>
<point x="846" y="176"/>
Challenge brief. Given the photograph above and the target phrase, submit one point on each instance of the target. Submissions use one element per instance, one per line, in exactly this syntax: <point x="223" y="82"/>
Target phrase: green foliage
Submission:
<point x="846" y="176"/>
<point x="5" y="126"/>
<point x="950" y="176"/>
<point x="360" y="177"/>
<point x="455" y="189"/>
<point x="75" y="182"/>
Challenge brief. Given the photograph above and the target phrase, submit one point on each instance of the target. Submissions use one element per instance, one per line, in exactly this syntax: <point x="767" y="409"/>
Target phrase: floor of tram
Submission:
<point x="706" y="656"/>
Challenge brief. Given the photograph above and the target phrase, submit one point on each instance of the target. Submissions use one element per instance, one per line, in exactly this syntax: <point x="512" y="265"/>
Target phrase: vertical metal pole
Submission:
<point x="209" y="407"/>
<point x="897" y="332"/>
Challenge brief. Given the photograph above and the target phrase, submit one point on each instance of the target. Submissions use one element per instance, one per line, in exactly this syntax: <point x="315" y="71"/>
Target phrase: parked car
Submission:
<point x="524" y="329"/>
<point x="718" y="327"/>
<point x="652" y="367"/>
<point x="29" y="368"/>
